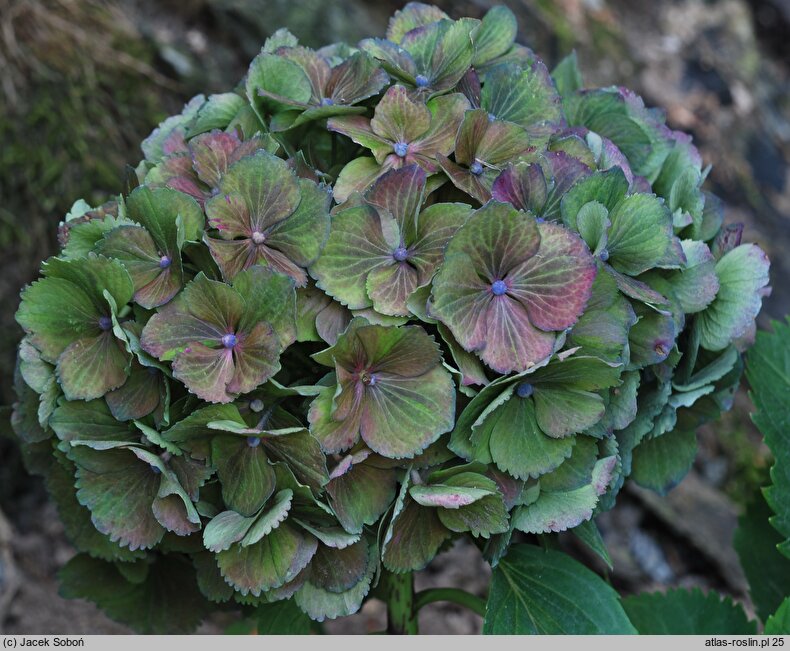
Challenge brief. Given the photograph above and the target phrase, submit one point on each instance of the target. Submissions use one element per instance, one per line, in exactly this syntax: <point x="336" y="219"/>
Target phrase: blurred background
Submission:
<point x="82" y="82"/>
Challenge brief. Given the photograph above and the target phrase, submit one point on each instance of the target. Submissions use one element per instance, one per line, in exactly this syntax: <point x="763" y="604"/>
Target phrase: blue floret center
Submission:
<point x="498" y="287"/>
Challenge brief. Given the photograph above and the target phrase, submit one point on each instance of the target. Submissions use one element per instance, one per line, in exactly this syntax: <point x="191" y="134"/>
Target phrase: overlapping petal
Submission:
<point x="391" y="391"/>
<point x="225" y="340"/>
<point x="379" y="252"/>
<point x="508" y="284"/>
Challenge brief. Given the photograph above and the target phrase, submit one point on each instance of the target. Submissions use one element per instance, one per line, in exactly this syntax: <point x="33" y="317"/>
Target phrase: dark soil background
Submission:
<point x="82" y="82"/>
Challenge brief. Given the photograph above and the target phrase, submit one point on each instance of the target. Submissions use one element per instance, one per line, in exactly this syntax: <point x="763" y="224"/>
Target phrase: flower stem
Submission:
<point x="398" y="590"/>
<point x="455" y="595"/>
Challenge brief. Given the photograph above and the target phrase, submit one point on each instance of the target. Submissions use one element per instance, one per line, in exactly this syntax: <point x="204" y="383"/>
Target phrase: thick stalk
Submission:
<point x="398" y="591"/>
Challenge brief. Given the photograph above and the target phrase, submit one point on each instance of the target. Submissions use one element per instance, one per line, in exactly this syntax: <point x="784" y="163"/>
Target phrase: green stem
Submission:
<point x="398" y="591"/>
<point x="455" y="595"/>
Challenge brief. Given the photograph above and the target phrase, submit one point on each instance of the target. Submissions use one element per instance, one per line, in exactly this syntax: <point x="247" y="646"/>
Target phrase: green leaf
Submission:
<point x="88" y="421"/>
<point x="779" y="623"/>
<point x="661" y="463"/>
<point x="282" y="618"/>
<point x="144" y="390"/>
<point x="92" y="366"/>
<point x="593" y="224"/>
<point x="153" y="145"/>
<point x="356" y="246"/>
<point x="448" y="497"/>
<point x="67" y="305"/>
<point x="607" y="188"/>
<point x="602" y="330"/>
<point x="687" y="612"/>
<point x="167" y="601"/>
<point x="697" y="284"/>
<point x="412" y="16"/>
<point x="357" y="175"/>
<point x="225" y="529"/>
<point x="270" y="519"/>
<point x="83" y="236"/>
<point x="303" y="454"/>
<point x="652" y="336"/>
<point x="545" y="592"/>
<point x="159" y="211"/>
<point x="621" y="117"/>
<point x="517" y="444"/>
<point x="767" y="571"/>
<point x="209" y="579"/>
<point x="768" y="372"/>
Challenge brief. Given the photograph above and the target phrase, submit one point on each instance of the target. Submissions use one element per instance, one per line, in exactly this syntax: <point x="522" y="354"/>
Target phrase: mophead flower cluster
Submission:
<point x="374" y="299"/>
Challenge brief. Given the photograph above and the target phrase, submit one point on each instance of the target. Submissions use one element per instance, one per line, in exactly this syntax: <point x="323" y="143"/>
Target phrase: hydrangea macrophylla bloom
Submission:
<point x="742" y="274"/>
<point x="457" y="500"/>
<point x="524" y="95"/>
<point x="412" y="16"/>
<point x="262" y="552"/>
<point x="139" y="518"/>
<point x="630" y="232"/>
<point x="482" y="148"/>
<point x="431" y="57"/>
<point x="271" y="550"/>
<point x="508" y="284"/>
<point x="569" y="495"/>
<point x="540" y="186"/>
<point x="361" y="488"/>
<point x="198" y="169"/>
<point x="70" y="316"/>
<point x="151" y="252"/>
<point x="466" y="501"/>
<point x="243" y="441"/>
<point x="333" y="89"/>
<point x="603" y="330"/>
<point x="640" y="133"/>
<point x="225" y="340"/>
<point x="380" y="251"/>
<point x="170" y="136"/>
<point x="144" y="392"/>
<point x="318" y="317"/>
<point x="459" y="227"/>
<point x="598" y="153"/>
<point x="266" y="215"/>
<point x="517" y="422"/>
<point x="403" y="130"/>
<point x="391" y="392"/>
